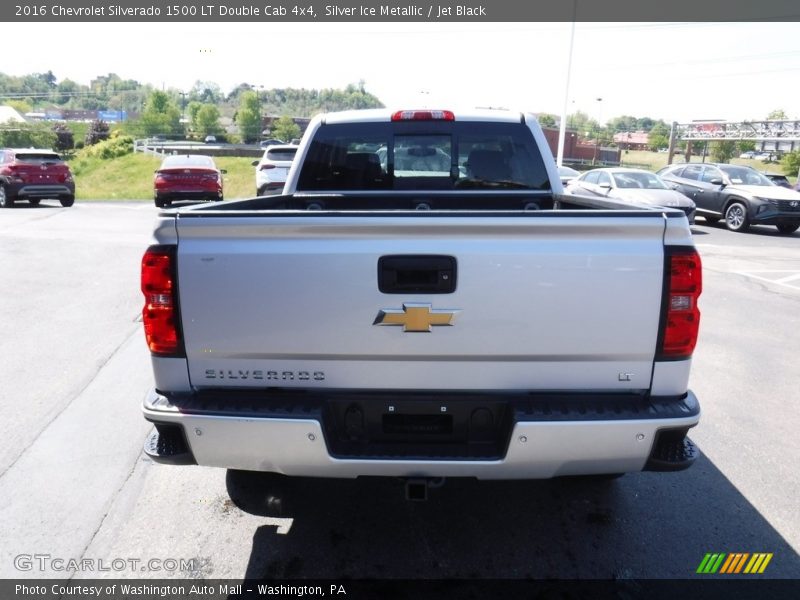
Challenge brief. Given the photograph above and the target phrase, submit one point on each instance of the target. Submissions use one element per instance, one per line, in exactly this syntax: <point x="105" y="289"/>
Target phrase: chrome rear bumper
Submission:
<point x="539" y="445"/>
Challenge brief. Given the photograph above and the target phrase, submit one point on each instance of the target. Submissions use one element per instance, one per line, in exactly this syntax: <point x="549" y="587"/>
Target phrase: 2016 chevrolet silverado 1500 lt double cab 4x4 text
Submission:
<point x="422" y="302"/>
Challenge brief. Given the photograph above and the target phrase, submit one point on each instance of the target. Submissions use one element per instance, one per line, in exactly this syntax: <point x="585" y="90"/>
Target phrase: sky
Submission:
<point x="672" y="71"/>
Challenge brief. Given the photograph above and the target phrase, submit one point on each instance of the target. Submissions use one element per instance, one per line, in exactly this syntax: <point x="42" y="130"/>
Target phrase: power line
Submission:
<point x="59" y="93"/>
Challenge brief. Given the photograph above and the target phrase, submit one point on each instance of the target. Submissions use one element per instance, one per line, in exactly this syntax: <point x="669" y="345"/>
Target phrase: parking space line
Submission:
<point x="785" y="281"/>
<point x="788" y="279"/>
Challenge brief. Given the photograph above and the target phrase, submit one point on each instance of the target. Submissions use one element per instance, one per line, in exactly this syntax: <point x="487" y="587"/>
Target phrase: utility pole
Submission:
<point x="260" y="112"/>
<point x="671" y="149"/>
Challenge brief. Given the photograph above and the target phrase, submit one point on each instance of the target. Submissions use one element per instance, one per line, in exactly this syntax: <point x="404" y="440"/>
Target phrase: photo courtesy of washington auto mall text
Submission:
<point x="175" y="589"/>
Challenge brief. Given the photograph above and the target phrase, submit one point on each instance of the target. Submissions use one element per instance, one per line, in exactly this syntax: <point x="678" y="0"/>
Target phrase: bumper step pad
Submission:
<point x="166" y="444"/>
<point x="672" y="454"/>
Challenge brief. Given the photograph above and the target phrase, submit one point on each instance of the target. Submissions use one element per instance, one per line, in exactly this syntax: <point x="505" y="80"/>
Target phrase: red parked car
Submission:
<point x="187" y="177"/>
<point x="33" y="175"/>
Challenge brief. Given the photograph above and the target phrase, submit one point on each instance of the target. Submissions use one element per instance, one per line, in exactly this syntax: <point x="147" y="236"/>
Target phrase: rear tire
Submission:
<point x="34" y="201"/>
<point x="267" y="494"/>
<point x="160" y="203"/>
<point x="736" y="217"/>
<point x="67" y="201"/>
<point x="787" y="229"/>
<point x="5" y="200"/>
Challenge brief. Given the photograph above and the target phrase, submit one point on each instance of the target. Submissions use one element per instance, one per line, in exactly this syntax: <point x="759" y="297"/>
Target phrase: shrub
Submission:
<point x="110" y="148"/>
<point x="25" y="135"/>
<point x="98" y="131"/>
<point x="65" y="140"/>
<point x="791" y="162"/>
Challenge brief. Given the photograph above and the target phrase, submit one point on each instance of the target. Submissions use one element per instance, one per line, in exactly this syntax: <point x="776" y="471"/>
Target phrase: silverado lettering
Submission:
<point x="264" y="375"/>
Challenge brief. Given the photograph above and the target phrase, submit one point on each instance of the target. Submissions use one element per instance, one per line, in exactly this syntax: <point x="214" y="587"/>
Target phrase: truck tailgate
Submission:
<point x="542" y="301"/>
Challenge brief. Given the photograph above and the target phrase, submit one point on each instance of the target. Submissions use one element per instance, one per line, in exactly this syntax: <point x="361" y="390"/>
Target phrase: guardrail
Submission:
<point x="149" y="146"/>
<point x="162" y="148"/>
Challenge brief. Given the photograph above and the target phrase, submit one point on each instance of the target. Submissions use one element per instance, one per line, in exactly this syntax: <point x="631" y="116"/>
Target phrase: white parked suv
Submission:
<point x="272" y="169"/>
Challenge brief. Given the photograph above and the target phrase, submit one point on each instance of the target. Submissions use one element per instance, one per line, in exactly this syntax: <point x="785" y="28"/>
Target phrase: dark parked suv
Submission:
<point x="740" y="195"/>
<point x="33" y="175"/>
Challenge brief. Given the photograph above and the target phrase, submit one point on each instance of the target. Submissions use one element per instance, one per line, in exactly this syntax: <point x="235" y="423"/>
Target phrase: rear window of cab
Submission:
<point x="430" y="155"/>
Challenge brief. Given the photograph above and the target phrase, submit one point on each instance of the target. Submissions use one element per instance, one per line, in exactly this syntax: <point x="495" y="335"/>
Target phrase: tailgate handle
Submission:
<point x="403" y="274"/>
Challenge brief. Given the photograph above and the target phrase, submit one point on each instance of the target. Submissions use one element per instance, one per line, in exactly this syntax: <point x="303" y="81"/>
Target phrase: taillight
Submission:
<point x="680" y="317"/>
<point x="423" y="115"/>
<point x="14" y="174"/>
<point x="160" y="313"/>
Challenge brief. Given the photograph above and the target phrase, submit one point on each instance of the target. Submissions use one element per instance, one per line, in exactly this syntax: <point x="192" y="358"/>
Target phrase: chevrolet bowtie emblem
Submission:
<point x="415" y="317"/>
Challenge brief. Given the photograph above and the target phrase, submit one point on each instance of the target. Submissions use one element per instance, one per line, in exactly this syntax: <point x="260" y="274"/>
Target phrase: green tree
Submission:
<point x="580" y="121"/>
<point x="624" y="124"/>
<point x="191" y="110"/>
<point x="67" y="90"/>
<point x="777" y="115"/>
<point x="723" y="151"/>
<point x="236" y="93"/>
<point x="547" y="120"/>
<point x="658" y="136"/>
<point x="161" y="115"/>
<point x="285" y="129"/>
<point x="646" y="123"/>
<point x="48" y="78"/>
<point x="207" y="120"/>
<point x="206" y="92"/>
<point x="158" y="102"/>
<point x="248" y="117"/>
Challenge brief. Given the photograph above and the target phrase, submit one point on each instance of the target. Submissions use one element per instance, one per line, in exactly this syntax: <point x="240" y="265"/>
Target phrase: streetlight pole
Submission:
<point x="183" y="111"/>
<point x="599" y="127"/>
<point x="562" y="126"/>
<point x="260" y="112"/>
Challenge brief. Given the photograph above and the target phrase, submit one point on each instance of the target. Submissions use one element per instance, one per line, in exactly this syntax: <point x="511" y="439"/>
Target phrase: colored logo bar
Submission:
<point x="734" y="563"/>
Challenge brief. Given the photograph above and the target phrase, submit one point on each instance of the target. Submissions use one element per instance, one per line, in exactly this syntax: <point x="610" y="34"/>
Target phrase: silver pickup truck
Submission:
<point x="422" y="302"/>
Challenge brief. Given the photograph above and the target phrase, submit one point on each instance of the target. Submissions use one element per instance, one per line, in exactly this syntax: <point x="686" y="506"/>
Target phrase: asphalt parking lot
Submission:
<point x="75" y="484"/>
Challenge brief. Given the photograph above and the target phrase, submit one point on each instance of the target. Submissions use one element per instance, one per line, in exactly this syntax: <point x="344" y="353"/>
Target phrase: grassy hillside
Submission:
<point x="130" y="177"/>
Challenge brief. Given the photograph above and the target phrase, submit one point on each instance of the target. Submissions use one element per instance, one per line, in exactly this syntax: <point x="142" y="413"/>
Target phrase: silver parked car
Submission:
<point x="567" y="174"/>
<point x="631" y="185"/>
